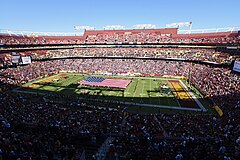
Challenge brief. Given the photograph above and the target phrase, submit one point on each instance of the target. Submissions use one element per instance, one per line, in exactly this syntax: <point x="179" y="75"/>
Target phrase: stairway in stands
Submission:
<point x="88" y="144"/>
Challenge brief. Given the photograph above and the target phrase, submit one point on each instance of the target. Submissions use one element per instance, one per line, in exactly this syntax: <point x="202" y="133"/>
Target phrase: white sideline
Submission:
<point x="194" y="97"/>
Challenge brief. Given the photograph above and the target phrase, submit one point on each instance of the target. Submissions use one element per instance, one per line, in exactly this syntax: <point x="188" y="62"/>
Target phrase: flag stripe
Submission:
<point x="111" y="83"/>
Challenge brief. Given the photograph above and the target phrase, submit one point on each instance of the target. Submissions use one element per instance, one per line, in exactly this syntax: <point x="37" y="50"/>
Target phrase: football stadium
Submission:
<point x="120" y="93"/>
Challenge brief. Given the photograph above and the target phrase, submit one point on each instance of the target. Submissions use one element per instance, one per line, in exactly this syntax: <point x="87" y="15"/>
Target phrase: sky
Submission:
<point x="63" y="15"/>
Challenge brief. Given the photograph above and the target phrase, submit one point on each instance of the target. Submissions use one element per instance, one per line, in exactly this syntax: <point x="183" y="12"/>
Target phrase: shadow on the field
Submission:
<point x="68" y="95"/>
<point x="77" y="86"/>
<point x="104" y="95"/>
<point x="73" y="85"/>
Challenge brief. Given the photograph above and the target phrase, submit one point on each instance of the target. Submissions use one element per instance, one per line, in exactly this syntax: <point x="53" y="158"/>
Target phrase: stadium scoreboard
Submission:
<point x="26" y="60"/>
<point x="236" y="66"/>
<point x="16" y="59"/>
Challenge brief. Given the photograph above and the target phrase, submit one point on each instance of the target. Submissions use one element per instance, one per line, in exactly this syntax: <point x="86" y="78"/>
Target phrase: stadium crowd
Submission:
<point x="208" y="55"/>
<point x="44" y="130"/>
<point x="123" y="38"/>
<point x="149" y="37"/>
<point x="178" y="53"/>
<point x="193" y="54"/>
<point x="35" y="40"/>
<point x="34" y="128"/>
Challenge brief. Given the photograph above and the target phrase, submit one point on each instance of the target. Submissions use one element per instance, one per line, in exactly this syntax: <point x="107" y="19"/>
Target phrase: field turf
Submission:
<point x="142" y="90"/>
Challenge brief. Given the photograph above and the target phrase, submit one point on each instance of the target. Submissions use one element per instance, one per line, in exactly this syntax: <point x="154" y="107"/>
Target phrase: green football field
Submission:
<point x="145" y="91"/>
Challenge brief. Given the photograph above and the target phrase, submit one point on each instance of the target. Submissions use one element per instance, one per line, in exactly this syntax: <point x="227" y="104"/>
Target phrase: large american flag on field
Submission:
<point x="108" y="82"/>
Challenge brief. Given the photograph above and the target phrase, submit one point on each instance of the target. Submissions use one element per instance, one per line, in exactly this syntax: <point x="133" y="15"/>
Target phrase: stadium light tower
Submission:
<point x="113" y="27"/>
<point x="180" y="24"/>
<point x="144" y="26"/>
<point x="83" y="28"/>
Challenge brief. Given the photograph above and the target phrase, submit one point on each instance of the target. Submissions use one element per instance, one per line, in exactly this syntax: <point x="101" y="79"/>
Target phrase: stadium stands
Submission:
<point x="167" y="53"/>
<point x="147" y="36"/>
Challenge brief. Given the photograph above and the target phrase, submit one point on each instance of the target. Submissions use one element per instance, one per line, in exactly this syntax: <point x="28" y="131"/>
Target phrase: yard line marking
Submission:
<point x="135" y="88"/>
<point x="127" y="91"/>
<point x="150" y="90"/>
<point x="142" y="94"/>
<point x="158" y="94"/>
